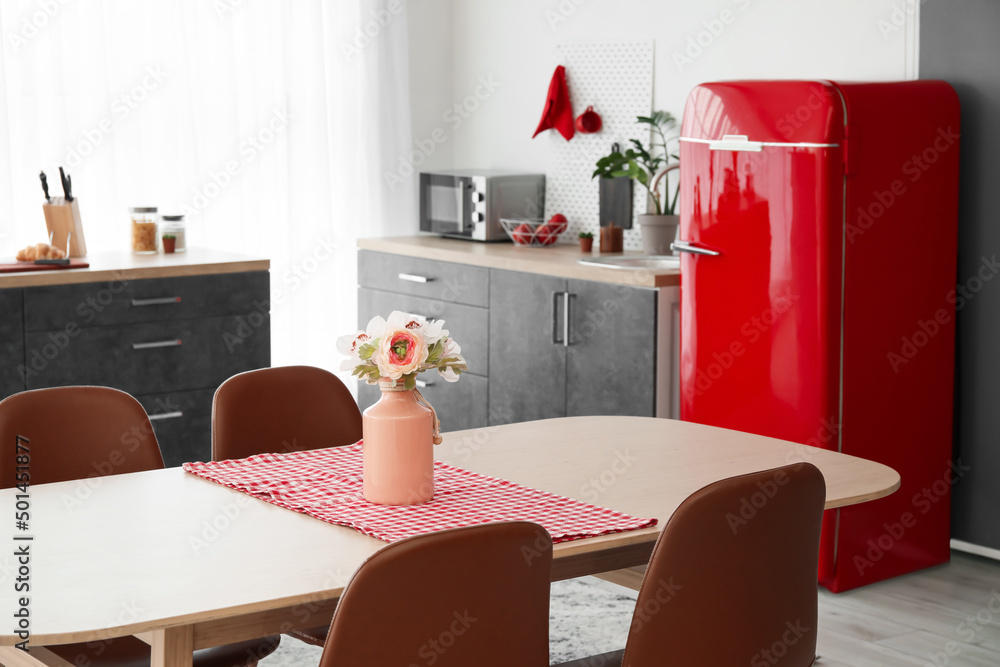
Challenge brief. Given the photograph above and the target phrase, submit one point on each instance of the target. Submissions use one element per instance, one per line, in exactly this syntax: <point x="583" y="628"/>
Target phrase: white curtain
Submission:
<point x="270" y="124"/>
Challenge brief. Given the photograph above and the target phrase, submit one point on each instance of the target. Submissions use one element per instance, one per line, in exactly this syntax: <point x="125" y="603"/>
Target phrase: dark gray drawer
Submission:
<point x="151" y="300"/>
<point x="468" y="325"/>
<point x="182" y="422"/>
<point x="211" y="350"/>
<point x="445" y="281"/>
<point x="11" y="342"/>
<point x="459" y="405"/>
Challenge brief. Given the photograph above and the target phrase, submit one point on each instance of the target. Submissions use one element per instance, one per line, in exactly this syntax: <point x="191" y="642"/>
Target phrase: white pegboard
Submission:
<point x="617" y="80"/>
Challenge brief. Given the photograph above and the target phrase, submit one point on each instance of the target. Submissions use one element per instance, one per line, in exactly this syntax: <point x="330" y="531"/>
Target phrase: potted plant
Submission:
<point x="644" y="165"/>
<point x="169" y="243"/>
<point x="586" y="242"/>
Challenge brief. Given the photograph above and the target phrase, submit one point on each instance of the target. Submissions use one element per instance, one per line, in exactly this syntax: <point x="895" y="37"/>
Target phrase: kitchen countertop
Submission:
<point x="558" y="260"/>
<point x="124" y="265"/>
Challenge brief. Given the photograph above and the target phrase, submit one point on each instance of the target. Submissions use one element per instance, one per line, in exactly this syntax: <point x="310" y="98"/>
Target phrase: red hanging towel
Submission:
<point x="558" y="110"/>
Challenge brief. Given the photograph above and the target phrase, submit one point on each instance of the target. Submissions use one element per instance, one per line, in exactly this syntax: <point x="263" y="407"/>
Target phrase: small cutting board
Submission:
<point x="8" y="266"/>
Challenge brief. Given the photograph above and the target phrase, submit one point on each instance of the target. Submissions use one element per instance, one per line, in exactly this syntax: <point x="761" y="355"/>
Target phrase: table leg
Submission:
<point x="173" y="647"/>
<point x="38" y="657"/>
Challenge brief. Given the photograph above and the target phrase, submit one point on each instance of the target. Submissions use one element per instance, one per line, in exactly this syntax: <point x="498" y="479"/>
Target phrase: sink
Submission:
<point x="648" y="262"/>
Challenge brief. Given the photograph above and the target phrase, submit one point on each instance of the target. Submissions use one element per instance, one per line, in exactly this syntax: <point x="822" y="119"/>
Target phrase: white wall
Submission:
<point x="513" y="43"/>
<point x="431" y="81"/>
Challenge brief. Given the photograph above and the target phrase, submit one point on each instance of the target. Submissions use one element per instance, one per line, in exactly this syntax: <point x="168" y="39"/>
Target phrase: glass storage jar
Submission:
<point x="174" y="225"/>
<point x="145" y="221"/>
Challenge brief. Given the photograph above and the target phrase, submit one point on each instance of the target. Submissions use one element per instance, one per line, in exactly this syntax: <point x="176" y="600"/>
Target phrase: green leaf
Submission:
<point x="410" y="381"/>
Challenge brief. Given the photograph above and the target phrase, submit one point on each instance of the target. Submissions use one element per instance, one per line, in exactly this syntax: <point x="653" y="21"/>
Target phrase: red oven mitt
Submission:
<point x="558" y="110"/>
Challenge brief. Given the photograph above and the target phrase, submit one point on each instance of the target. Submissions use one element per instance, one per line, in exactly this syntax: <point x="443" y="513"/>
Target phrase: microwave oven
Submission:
<point x="468" y="203"/>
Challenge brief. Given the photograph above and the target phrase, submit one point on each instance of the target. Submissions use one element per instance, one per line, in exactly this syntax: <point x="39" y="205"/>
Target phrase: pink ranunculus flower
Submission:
<point x="400" y="352"/>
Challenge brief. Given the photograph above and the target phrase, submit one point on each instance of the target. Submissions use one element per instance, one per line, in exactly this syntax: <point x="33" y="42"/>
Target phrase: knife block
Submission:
<point x="61" y="218"/>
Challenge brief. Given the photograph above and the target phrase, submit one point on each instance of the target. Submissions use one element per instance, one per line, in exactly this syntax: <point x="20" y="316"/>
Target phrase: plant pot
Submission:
<point x="658" y="232"/>
<point x="169" y="245"/>
<point x="587" y="245"/>
<point x="398" y="449"/>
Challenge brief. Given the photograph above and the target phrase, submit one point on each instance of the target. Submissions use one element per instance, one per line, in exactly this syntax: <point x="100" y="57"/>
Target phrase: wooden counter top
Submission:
<point x="123" y="265"/>
<point x="558" y="260"/>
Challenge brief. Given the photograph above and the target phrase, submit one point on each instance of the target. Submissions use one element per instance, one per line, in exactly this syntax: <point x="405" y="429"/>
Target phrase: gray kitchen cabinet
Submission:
<point x="11" y="341"/>
<point x="445" y="282"/>
<point x="527" y="361"/>
<point x="577" y="347"/>
<point x="169" y="341"/>
<point x="538" y="346"/>
<point x="612" y="349"/>
<point x="151" y="357"/>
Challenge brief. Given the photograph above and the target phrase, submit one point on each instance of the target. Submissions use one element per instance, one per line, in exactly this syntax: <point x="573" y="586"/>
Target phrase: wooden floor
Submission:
<point x="916" y="620"/>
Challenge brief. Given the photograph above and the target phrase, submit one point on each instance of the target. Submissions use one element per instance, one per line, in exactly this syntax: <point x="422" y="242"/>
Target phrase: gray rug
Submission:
<point x="587" y="616"/>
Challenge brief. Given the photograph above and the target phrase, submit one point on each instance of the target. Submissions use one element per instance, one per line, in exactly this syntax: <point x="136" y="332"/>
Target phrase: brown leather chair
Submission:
<point x="456" y="598"/>
<point x="284" y="409"/>
<point x="75" y="432"/>
<point x="732" y="579"/>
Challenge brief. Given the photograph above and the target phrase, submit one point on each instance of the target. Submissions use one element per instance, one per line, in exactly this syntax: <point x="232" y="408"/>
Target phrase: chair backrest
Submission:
<point x="74" y="433"/>
<point x="285" y="409"/>
<point x="733" y="577"/>
<point x="455" y="598"/>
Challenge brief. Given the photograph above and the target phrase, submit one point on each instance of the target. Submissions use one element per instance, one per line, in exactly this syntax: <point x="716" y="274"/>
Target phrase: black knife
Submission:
<point x="67" y="185"/>
<point x="45" y="185"/>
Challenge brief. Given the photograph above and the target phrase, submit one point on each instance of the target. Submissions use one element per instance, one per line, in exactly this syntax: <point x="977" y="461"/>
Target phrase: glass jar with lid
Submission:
<point x="145" y="221"/>
<point x="173" y="226"/>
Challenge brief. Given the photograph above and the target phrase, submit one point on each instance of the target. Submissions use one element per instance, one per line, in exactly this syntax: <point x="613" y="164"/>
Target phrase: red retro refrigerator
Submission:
<point x="819" y="238"/>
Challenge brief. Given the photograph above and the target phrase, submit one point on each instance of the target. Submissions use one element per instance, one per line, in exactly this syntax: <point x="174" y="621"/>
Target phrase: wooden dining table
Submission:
<point x="184" y="563"/>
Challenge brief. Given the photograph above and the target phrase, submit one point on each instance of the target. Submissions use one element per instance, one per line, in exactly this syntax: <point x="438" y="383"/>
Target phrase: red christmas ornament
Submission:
<point x="588" y="122"/>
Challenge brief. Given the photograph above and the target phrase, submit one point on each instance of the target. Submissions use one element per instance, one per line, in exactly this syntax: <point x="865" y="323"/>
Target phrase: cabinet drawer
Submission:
<point x="145" y="358"/>
<point x="459" y="405"/>
<point x="469" y="326"/>
<point x="441" y="281"/>
<point x="182" y="422"/>
<point x="11" y="342"/>
<point x="151" y="300"/>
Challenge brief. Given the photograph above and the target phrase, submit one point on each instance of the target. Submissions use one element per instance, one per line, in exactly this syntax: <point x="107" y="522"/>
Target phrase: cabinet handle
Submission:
<point x="567" y="298"/>
<point x="165" y="415"/>
<point x="414" y="278"/>
<point x="159" y="301"/>
<point x="424" y="383"/>
<point x="177" y="342"/>
<point x="555" y="317"/>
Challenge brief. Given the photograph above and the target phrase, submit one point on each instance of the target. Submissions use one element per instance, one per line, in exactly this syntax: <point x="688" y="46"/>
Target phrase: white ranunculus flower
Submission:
<point x="435" y="332"/>
<point x="449" y="375"/>
<point x="451" y="349"/>
<point x="376" y="327"/>
<point x="350" y="345"/>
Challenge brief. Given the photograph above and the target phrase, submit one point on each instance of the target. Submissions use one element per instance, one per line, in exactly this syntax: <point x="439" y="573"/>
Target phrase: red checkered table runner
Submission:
<point x="326" y="484"/>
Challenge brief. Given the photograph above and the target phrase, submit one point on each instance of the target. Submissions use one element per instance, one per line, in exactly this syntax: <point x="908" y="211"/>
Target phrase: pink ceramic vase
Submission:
<point x="398" y="448"/>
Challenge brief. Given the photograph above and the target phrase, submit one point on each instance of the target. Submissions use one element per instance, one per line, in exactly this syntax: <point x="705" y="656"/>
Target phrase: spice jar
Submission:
<point x="144" y="223"/>
<point x="174" y="226"/>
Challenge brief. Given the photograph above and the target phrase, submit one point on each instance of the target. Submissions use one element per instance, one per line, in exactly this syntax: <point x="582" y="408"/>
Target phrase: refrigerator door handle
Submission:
<point x="685" y="246"/>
